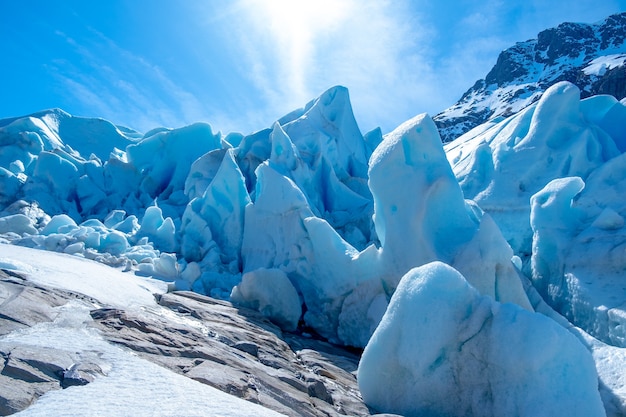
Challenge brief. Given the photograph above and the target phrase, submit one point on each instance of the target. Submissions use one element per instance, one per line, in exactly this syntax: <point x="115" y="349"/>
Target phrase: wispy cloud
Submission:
<point x="123" y="87"/>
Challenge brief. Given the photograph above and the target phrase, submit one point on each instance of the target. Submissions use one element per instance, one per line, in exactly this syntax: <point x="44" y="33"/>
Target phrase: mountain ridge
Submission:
<point x="591" y="56"/>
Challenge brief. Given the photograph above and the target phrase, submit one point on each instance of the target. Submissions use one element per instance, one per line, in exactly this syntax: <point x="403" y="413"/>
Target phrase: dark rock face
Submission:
<point x="566" y="40"/>
<point x="525" y="70"/>
<point x="510" y="65"/>
<point x="20" y="305"/>
<point x="235" y="350"/>
<point x="613" y="82"/>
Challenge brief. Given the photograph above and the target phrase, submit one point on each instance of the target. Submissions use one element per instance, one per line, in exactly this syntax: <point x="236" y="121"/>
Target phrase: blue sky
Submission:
<point x="241" y="64"/>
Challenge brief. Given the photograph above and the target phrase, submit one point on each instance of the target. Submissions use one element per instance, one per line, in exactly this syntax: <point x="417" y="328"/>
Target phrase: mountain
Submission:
<point x="591" y="56"/>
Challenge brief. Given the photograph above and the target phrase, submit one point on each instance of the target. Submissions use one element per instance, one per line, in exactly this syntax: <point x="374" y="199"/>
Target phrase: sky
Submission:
<point x="242" y="64"/>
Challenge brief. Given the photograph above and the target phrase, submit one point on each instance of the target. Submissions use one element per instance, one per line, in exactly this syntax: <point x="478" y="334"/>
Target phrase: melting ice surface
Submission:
<point x="312" y="222"/>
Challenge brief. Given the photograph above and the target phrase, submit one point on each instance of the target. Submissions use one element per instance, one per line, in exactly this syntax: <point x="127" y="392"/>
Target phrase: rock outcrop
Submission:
<point x="241" y="352"/>
<point x="27" y="372"/>
<point x="233" y="349"/>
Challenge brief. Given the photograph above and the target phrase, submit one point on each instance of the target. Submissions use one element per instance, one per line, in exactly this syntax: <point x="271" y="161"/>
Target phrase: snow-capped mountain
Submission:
<point x="591" y="56"/>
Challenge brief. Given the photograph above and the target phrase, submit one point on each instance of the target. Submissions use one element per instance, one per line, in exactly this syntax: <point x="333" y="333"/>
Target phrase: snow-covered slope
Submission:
<point x="132" y="385"/>
<point x="591" y="56"/>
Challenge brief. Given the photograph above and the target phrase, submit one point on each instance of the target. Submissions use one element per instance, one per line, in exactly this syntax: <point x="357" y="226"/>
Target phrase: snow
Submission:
<point x="73" y="273"/>
<point x="443" y="349"/>
<point x="601" y="64"/>
<point x="131" y="385"/>
<point x="500" y="102"/>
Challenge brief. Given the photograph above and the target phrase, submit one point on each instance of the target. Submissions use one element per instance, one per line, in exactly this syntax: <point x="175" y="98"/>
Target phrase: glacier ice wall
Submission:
<point x="341" y="214"/>
<point x="205" y="210"/>
<point x="314" y="224"/>
<point x="501" y="166"/>
<point x="516" y="166"/>
<point x="345" y="291"/>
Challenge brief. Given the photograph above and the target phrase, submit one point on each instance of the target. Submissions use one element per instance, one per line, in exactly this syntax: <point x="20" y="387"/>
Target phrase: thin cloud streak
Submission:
<point x="116" y="94"/>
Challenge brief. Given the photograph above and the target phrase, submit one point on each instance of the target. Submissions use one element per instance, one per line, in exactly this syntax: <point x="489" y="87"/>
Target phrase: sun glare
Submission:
<point x="307" y="14"/>
<point x="300" y="21"/>
<point x="295" y="27"/>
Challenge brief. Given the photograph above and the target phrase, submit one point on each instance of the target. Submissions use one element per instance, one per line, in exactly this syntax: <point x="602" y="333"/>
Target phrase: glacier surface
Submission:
<point x="314" y="224"/>
<point x="527" y="172"/>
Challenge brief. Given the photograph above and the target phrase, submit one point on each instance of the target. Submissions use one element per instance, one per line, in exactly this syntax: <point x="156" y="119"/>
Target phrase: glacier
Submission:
<point x="327" y="230"/>
<point x="563" y="145"/>
<point x="443" y="349"/>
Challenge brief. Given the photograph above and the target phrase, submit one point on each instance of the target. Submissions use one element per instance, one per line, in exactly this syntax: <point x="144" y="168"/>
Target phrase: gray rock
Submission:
<point x="27" y="372"/>
<point x="222" y="377"/>
<point x="23" y="305"/>
<point x="80" y="374"/>
<point x="17" y="395"/>
<point x="240" y="352"/>
<point x="317" y="389"/>
<point x="248" y="347"/>
<point x="46" y="364"/>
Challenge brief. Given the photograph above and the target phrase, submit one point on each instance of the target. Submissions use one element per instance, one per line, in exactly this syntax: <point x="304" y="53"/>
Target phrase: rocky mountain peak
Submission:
<point x="511" y="64"/>
<point x="591" y="56"/>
